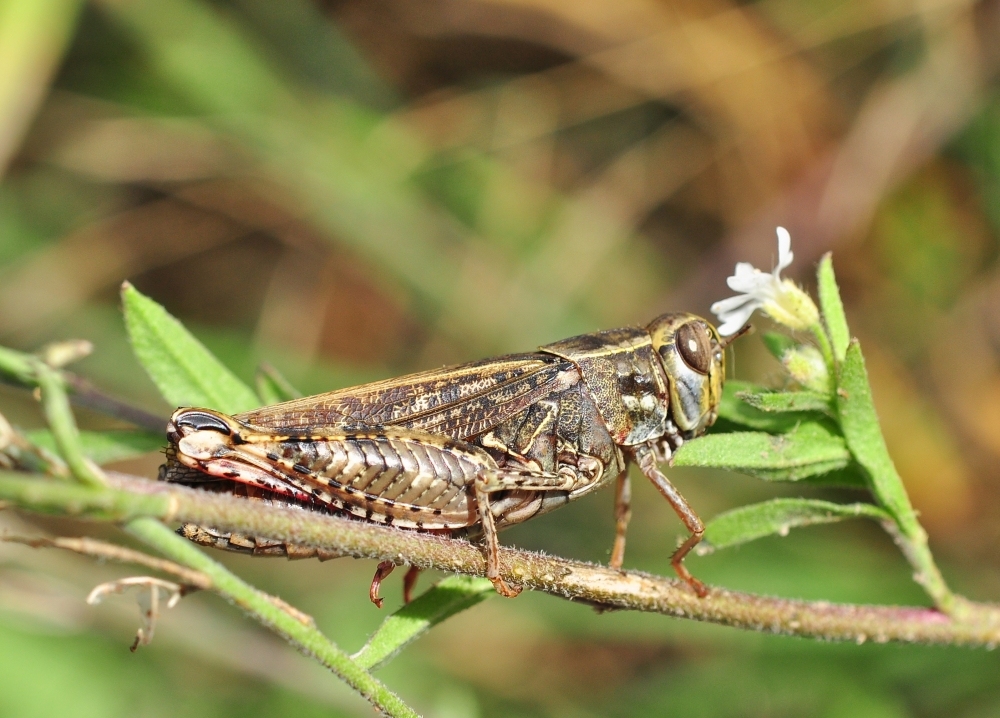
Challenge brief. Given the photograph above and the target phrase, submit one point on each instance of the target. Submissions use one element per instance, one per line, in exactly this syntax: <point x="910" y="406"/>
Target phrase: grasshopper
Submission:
<point x="471" y="449"/>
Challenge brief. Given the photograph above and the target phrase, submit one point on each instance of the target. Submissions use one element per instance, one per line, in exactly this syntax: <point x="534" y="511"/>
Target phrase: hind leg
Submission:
<point x="383" y="570"/>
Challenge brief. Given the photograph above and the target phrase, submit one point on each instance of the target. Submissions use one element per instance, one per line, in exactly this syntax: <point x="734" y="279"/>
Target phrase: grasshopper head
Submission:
<point x="694" y="360"/>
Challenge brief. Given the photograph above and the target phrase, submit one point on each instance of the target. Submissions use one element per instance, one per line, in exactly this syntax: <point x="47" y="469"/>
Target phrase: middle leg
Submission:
<point x="623" y="512"/>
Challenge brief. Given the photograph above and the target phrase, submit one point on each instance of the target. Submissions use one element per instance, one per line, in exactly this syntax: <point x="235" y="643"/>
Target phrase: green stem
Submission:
<point x="57" y="410"/>
<point x="304" y="636"/>
<point x="912" y="542"/>
<point x="826" y="349"/>
<point x="42" y="495"/>
<point x="863" y="433"/>
<point x="17" y="366"/>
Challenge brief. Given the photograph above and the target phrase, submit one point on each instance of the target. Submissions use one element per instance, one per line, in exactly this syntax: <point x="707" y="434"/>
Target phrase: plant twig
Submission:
<point x="16" y="368"/>
<point x="302" y="634"/>
<point x="60" y="417"/>
<point x="113" y="552"/>
<point x="85" y="394"/>
<point x="149" y="608"/>
<point x="17" y="452"/>
<point x="978" y="624"/>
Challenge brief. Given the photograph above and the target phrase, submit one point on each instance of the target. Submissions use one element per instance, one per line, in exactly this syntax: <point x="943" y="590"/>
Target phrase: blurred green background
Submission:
<point x="355" y="189"/>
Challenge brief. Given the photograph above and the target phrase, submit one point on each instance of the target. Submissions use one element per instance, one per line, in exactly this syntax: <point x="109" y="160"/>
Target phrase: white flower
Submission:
<point x="779" y="298"/>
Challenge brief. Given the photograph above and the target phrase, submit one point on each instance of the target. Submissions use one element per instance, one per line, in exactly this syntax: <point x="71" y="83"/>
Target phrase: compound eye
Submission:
<point x="695" y="346"/>
<point x="203" y="421"/>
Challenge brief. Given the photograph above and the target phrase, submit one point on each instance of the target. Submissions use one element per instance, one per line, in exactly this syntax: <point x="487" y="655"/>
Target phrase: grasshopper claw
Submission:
<point x="504" y="588"/>
<point x="383" y="570"/>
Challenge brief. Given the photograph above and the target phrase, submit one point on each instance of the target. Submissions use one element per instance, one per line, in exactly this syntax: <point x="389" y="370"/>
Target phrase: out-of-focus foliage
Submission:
<point x="351" y="190"/>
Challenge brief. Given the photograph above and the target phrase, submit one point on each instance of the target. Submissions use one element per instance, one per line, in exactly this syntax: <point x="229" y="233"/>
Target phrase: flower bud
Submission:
<point x="805" y="365"/>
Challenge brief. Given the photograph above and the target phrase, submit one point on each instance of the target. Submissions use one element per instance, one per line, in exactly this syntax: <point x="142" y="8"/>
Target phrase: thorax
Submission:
<point x="626" y="379"/>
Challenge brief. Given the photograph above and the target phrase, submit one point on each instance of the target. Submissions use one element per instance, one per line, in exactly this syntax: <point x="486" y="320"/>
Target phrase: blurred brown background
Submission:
<point x="352" y="190"/>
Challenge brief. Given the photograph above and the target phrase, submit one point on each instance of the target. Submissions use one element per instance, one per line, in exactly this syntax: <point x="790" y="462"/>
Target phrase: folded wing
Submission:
<point x="460" y="402"/>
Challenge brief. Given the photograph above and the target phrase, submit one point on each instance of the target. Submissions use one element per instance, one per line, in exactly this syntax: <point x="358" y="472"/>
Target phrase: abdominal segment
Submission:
<point x="257" y="545"/>
<point x="396" y="479"/>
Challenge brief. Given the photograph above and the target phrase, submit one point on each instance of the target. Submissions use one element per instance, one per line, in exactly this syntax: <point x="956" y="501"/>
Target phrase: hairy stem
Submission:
<point x="63" y="426"/>
<point x="826" y="349"/>
<point x="916" y="550"/>
<point x="977" y="624"/>
<point x="302" y="634"/>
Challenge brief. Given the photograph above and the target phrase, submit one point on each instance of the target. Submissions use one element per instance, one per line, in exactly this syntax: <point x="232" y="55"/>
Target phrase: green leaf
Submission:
<point x="733" y="409"/>
<point x="777" y="516"/>
<point x="272" y="387"/>
<point x="851" y="476"/>
<point x="864" y="438"/>
<point x="786" y="401"/>
<point x="34" y="35"/>
<point x="833" y="308"/>
<point x="184" y="371"/>
<point x="809" y="449"/>
<point x="448" y="597"/>
<point x="778" y="344"/>
<point x="103" y="447"/>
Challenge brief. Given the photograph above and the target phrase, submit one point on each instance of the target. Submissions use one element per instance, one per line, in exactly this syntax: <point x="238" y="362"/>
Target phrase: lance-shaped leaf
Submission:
<point x="184" y="371"/>
<point x="777" y="516"/>
<point x="103" y="447"/>
<point x="448" y="597"/>
<point x="851" y="476"/>
<point x="864" y="437"/>
<point x="833" y="308"/>
<point x="786" y="401"/>
<point x="811" y="448"/>
<point x="733" y="409"/>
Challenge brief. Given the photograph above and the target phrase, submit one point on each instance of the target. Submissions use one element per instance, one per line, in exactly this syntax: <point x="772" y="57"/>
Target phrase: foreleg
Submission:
<point x="646" y="460"/>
